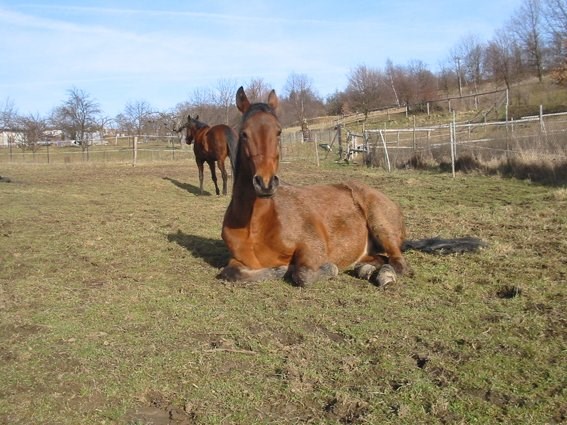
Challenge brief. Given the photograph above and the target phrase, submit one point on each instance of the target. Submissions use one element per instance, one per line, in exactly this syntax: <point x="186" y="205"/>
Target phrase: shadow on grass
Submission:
<point x="213" y="251"/>
<point x="188" y="187"/>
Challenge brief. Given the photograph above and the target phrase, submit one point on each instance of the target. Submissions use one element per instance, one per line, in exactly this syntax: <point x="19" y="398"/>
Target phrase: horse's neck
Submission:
<point x="245" y="205"/>
<point x="243" y="194"/>
<point x="201" y="132"/>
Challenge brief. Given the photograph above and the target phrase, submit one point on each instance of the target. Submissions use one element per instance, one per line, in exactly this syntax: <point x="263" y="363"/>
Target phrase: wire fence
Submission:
<point x="125" y="149"/>
<point x="537" y="137"/>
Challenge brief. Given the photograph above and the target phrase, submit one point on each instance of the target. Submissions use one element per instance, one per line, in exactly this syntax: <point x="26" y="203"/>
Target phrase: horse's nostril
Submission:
<point x="274" y="182"/>
<point x="265" y="190"/>
<point x="259" y="182"/>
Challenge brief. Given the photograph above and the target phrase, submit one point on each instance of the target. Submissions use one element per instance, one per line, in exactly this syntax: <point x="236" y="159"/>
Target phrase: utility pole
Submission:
<point x="458" y="60"/>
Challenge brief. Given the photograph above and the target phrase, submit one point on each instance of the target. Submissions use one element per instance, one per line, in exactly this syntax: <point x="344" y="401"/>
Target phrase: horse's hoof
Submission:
<point x="230" y="274"/>
<point x="386" y="276"/>
<point x="364" y="270"/>
<point x="329" y="270"/>
<point x="278" y="272"/>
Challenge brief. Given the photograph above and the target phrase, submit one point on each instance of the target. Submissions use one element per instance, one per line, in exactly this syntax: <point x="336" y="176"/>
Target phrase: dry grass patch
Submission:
<point x="111" y="312"/>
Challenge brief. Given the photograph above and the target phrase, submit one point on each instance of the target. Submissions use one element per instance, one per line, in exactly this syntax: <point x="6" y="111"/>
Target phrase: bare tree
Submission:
<point x="78" y="116"/>
<point x="393" y="74"/>
<point x="299" y="99"/>
<point x="137" y="116"/>
<point x="8" y="114"/>
<point x="33" y="128"/>
<point x="366" y="89"/>
<point x="470" y="51"/>
<point x="336" y="103"/>
<point x="424" y="86"/>
<point x="556" y="16"/>
<point x="415" y="83"/>
<point x="224" y="97"/>
<point x="203" y="103"/>
<point x="446" y="77"/>
<point x="455" y="56"/>
<point x="257" y="90"/>
<point x="503" y="59"/>
<point x="526" y="25"/>
<point x="555" y="13"/>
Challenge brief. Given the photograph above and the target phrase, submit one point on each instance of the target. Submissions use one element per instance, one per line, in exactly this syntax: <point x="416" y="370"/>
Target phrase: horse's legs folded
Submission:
<point x="302" y="275"/>
<point x="238" y="272"/>
<point x="379" y="274"/>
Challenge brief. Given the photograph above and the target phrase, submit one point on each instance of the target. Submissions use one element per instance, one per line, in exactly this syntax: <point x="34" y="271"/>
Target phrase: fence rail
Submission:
<point x="543" y="136"/>
<point x="121" y="149"/>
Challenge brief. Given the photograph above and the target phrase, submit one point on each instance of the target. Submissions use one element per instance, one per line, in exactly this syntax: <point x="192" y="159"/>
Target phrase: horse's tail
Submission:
<point x="445" y="246"/>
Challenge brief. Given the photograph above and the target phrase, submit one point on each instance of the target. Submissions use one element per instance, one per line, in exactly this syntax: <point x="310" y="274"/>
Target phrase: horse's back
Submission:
<point x="219" y="137"/>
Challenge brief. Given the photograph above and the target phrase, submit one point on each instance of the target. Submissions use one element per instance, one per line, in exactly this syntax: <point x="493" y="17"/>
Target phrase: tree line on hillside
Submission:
<point x="532" y="43"/>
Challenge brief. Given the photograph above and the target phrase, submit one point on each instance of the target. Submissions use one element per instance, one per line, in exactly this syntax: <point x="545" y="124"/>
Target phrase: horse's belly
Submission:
<point x="348" y="245"/>
<point x="328" y="221"/>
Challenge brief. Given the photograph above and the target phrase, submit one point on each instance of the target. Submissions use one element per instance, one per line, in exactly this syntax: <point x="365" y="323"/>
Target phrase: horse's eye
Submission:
<point x="243" y="136"/>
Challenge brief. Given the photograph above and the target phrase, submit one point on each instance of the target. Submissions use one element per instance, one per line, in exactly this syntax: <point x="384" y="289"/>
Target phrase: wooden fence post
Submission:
<point x="135" y="151"/>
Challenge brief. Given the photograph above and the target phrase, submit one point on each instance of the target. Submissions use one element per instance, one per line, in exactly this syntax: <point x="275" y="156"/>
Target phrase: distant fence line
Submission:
<point x="542" y="136"/>
<point x="483" y="102"/>
<point x="115" y="149"/>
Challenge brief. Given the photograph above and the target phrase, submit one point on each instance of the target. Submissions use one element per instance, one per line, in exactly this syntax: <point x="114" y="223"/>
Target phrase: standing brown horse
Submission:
<point x="307" y="233"/>
<point x="210" y="145"/>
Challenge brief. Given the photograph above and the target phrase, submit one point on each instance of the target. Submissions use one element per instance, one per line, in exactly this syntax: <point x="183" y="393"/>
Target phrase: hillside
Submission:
<point x="524" y="99"/>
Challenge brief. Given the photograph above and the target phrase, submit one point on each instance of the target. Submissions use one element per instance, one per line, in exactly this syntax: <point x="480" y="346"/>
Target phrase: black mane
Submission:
<point x="199" y="124"/>
<point x="258" y="107"/>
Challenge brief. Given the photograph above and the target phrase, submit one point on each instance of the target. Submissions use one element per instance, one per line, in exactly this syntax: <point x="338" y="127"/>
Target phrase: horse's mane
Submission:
<point x="258" y="107"/>
<point x="199" y="124"/>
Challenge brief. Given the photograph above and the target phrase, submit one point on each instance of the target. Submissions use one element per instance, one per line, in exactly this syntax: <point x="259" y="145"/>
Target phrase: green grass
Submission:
<point x="110" y="310"/>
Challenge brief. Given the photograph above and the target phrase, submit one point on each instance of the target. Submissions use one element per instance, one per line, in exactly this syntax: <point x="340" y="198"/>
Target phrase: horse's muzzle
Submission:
<point x="263" y="190"/>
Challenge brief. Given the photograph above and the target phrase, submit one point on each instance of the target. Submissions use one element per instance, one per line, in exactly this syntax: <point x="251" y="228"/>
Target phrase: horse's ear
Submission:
<point x="242" y="102"/>
<point x="273" y="100"/>
<point x="188" y="117"/>
<point x="196" y="117"/>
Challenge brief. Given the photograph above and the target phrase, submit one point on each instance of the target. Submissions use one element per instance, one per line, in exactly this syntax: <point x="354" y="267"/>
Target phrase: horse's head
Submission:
<point x="259" y="142"/>
<point x="190" y="128"/>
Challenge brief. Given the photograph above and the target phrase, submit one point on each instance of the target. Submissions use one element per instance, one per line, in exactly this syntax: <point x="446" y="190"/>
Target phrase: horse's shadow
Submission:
<point x="188" y="187"/>
<point x="212" y="251"/>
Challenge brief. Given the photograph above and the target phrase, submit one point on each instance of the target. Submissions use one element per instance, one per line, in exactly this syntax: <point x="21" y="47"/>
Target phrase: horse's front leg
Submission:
<point x="214" y="176"/>
<point x="235" y="271"/>
<point x="307" y="267"/>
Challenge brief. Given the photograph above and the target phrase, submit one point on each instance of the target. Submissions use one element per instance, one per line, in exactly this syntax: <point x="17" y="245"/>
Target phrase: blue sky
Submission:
<point x="161" y="52"/>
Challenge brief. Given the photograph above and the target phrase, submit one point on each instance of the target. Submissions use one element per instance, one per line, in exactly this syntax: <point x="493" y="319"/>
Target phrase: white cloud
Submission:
<point x="169" y="52"/>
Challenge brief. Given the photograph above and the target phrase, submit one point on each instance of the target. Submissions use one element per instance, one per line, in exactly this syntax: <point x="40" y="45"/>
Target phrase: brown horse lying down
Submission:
<point x="210" y="145"/>
<point x="307" y="233"/>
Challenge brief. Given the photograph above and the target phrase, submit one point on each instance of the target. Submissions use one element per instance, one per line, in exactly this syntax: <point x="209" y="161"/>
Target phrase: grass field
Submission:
<point x="110" y="310"/>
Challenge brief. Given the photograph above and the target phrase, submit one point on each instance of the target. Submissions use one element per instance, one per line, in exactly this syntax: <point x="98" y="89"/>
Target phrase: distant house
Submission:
<point x="55" y="137"/>
<point x="8" y="136"/>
